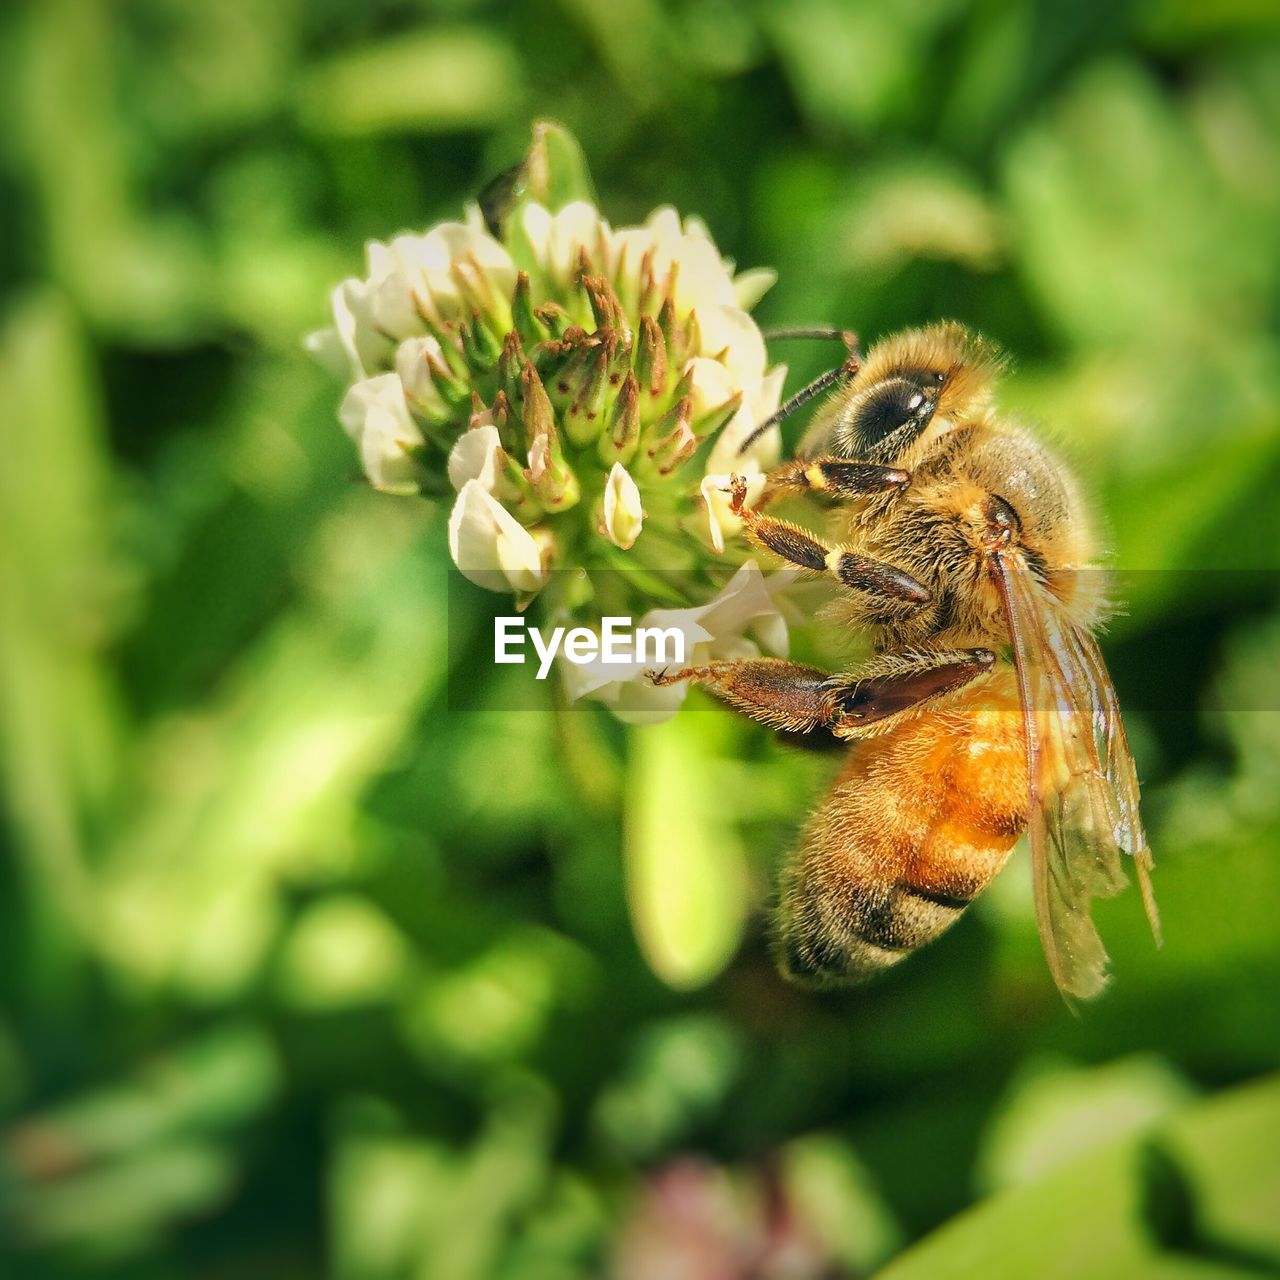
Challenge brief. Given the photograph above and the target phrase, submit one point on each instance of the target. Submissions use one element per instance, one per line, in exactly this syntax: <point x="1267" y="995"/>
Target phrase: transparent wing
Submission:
<point x="1083" y="786"/>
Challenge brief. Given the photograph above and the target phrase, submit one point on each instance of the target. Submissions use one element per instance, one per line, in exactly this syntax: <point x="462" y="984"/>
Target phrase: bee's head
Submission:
<point x="907" y="381"/>
<point x="882" y="421"/>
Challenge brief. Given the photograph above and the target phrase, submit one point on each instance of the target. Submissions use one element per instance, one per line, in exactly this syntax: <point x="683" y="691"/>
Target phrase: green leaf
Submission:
<point x="556" y="168"/>
<point x="58" y="724"/>
<point x="1055" y="1111"/>
<point x="1098" y="1216"/>
<point x="553" y="173"/>
<point x="686" y="869"/>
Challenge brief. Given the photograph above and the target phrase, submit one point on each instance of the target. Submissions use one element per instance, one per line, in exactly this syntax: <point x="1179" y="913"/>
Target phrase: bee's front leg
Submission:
<point x="836" y="477"/>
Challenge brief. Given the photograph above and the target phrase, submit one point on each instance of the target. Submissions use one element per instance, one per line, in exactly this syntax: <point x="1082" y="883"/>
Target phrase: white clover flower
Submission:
<point x="585" y="390"/>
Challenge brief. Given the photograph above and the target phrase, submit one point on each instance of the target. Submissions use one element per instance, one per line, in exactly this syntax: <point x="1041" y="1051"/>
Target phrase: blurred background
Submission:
<point x="302" y="974"/>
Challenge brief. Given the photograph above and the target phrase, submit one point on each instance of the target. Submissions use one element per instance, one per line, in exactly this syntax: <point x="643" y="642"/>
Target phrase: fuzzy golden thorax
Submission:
<point x="944" y="528"/>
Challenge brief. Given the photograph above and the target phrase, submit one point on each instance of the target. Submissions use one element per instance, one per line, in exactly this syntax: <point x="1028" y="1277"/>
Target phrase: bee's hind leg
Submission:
<point x="784" y="695"/>
<point x="797" y="699"/>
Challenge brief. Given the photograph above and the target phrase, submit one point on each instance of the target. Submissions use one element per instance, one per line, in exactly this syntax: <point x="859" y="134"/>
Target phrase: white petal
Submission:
<point x="393" y="300"/>
<point x="474" y="456"/>
<point x="381" y="393"/>
<point x="352" y="347"/>
<point x="771" y="631"/>
<point x="576" y="228"/>
<point x="461" y="247"/>
<point x="733" y="336"/>
<point x="766" y="448"/>
<point x="664" y="225"/>
<point x="713" y="384"/>
<point x="639" y="702"/>
<point x="627" y="247"/>
<point x="416" y="274"/>
<point x="557" y="240"/>
<point x="535" y="222"/>
<point x="593" y="679"/>
<point x="605" y="681"/>
<point x="712" y="630"/>
<point x="633" y="700"/>
<point x="491" y="547"/>
<point x="380" y="258"/>
<point x="771" y="390"/>
<point x="783" y="586"/>
<point x="413" y="364"/>
<point x="750" y="286"/>
<point x="624" y="687"/>
<point x="702" y="282"/>
<point x="696" y="227"/>
<point x="375" y="416"/>
<point x="464" y="240"/>
<point x="747" y="603"/>
<point x="327" y="347"/>
<point x="623" y="514"/>
<point x="712" y="486"/>
<point x="743" y="598"/>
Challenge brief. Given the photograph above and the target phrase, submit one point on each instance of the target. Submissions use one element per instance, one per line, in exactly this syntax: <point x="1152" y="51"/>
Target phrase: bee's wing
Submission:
<point x="1083" y="786"/>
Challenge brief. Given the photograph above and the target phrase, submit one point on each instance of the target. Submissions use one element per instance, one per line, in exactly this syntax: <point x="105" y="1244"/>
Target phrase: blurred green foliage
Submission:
<point x="305" y="974"/>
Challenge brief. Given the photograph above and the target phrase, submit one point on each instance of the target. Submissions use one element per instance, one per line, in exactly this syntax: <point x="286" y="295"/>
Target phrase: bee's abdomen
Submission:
<point x="828" y="938"/>
<point x="919" y="823"/>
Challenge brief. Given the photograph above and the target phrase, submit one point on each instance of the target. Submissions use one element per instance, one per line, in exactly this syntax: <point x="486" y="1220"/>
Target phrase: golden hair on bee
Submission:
<point x="937" y="527"/>
<point x="961" y="546"/>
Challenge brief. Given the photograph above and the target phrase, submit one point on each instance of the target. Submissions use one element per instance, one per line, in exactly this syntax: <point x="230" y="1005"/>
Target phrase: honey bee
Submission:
<point x="960" y="542"/>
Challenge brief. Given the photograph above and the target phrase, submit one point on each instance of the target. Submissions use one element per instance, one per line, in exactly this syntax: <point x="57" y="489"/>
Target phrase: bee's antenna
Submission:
<point x="802" y="397"/>
<point x="823" y="332"/>
<point x="852" y="364"/>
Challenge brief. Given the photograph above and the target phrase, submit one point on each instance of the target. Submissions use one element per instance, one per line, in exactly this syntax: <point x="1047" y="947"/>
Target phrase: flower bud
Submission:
<point x="621" y="514"/>
<point x="618" y="444"/>
<point x="651" y="358"/>
<point x="673" y="441"/>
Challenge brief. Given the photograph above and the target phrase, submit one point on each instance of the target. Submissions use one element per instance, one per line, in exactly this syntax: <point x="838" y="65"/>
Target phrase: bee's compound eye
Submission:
<point x="885" y="409"/>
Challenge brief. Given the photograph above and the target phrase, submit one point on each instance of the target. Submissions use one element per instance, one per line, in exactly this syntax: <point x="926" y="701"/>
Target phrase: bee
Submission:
<point x="961" y="544"/>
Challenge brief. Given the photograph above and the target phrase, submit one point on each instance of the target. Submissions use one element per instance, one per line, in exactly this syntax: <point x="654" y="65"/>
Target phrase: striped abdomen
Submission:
<point x="921" y="818"/>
